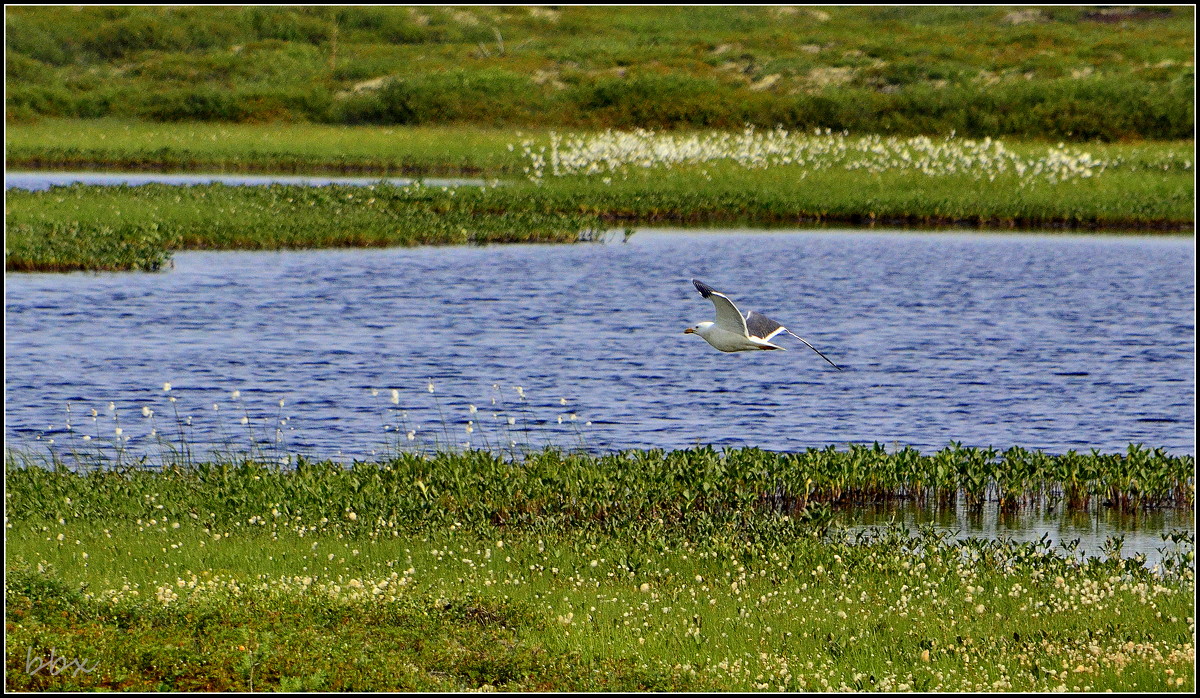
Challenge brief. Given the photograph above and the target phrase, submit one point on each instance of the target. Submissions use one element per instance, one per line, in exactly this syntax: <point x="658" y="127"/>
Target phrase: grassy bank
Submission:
<point x="127" y="145"/>
<point x="121" y="144"/>
<point x="118" y="228"/>
<point x="1063" y="72"/>
<point x="390" y="577"/>
<point x="574" y="186"/>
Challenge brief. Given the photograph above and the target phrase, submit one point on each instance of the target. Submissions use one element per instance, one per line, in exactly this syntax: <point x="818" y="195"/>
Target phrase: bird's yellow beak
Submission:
<point x="689" y="331"/>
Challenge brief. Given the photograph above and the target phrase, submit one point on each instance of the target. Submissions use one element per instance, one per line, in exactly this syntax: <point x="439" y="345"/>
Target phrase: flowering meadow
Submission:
<point x="776" y="176"/>
<point x="285" y="601"/>
<point x="618" y="152"/>
<point x="555" y="570"/>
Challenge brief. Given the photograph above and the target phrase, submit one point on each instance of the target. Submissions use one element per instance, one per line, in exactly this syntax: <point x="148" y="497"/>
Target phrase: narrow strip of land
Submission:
<point x="560" y="188"/>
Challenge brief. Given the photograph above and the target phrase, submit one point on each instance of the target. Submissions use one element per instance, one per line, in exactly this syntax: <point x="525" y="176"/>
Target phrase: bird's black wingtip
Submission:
<point x="704" y="289"/>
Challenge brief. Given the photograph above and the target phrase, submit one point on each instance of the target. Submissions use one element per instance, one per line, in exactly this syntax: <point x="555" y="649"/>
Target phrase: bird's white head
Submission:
<point x="700" y="328"/>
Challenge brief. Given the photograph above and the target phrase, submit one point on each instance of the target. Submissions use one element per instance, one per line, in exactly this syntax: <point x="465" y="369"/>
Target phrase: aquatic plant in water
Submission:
<point x="477" y="461"/>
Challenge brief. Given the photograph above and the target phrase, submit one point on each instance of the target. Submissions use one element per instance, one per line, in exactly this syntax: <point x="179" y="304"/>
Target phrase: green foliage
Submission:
<point x="695" y="490"/>
<point x="195" y="104"/>
<point x="1038" y="72"/>
<point x="28" y="38"/>
<point x="39" y="596"/>
<point x="650" y="100"/>
<point x="75" y="246"/>
<point x="487" y="97"/>
<point x="82" y="227"/>
<point x="204" y="103"/>
<point x="132" y="34"/>
<point x="28" y="101"/>
<point x="21" y="68"/>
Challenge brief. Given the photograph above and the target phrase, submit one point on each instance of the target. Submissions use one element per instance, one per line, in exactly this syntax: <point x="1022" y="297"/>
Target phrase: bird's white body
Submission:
<point x="725" y="340"/>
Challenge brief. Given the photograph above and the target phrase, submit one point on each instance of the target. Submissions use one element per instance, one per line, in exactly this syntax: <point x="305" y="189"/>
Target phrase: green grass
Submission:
<point x="1067" y="72"/>
<point x="551" y="489"/>
<point x="324" y="578"/>
<point x="1139" y="187"/>
<point x="134" y="145"/>
<point x="1116" y="201"/>
<point x="118" y="228"/>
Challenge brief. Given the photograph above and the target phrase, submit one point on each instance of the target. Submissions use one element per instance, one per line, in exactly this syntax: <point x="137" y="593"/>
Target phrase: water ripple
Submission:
<point x="1049" y="342"/>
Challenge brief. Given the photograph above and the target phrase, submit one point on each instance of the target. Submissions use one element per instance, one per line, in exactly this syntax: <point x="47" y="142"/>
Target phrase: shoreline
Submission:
<point x="567" y="188"/>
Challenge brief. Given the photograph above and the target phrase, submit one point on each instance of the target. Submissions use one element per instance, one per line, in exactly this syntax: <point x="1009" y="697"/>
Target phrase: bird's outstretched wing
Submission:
<point x="765" y="328"/>
<point x="811" y="347"/>
<point x="729" y="318"/>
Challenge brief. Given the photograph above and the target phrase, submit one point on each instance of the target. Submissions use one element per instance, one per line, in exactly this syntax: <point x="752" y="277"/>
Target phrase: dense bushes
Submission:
<point x="656" y="101"/>
<point x="1092" y="109"/>
<point x="492" y="97"/>
<point x="1063" y="74"/>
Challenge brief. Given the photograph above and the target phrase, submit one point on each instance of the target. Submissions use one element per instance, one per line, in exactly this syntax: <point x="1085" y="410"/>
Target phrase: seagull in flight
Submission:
<point x="733" y="332"/>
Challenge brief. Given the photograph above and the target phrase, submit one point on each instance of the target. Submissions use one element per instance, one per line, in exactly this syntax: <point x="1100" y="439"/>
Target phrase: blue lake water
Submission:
<point x="1042" y="341"/>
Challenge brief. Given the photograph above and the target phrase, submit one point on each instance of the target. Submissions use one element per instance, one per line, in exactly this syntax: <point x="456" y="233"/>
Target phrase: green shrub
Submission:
<point x="290" y="23"/>
<point x="22" y="68"/>
<point x="201" y="103"/>
<point x="133" y="34"/>
<point x="386" y="23"/>
<point x="660" y="100"/>
<point x="487" y="96"/>
<point x="43" y="100"/>
<point x="898" y="70"/>
<point x="22" y="37"/>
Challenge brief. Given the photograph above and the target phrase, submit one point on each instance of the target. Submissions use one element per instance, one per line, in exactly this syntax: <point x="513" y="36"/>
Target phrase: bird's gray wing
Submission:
<point x="761" y="326"/>
<point x="729" y="318"/>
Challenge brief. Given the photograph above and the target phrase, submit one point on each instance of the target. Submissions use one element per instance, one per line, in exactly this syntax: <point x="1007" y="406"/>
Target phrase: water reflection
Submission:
<point x="1142" y="532"/>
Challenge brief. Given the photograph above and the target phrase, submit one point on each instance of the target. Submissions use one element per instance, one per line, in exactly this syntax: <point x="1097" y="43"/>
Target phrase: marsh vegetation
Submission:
<point x="556" y="571"/>
<point x="578" y="185"/>
<point x="470" y="556"/>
